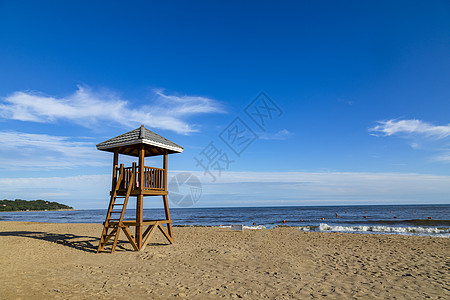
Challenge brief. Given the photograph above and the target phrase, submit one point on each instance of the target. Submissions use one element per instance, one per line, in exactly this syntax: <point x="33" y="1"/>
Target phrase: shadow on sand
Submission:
<point x="79" y="242"/>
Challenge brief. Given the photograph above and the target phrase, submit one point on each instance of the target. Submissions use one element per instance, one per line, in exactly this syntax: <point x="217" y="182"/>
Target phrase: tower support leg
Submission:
<point x="139" y="220"/>
<point x="166" y="210"/>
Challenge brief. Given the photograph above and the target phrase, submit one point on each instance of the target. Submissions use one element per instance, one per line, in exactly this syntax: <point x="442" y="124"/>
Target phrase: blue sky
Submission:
<point x="362" y="89"/>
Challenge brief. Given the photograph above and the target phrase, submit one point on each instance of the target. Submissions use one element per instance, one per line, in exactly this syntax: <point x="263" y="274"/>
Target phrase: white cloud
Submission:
<point x="280" y="135"/>
<point x="186" y="105"/>
<point x="327" y="188"/>
<point x="410" y="127"/>
<point x="86" y="191"/>
<point x="443" y="157"/>
<point x="252" y="188"/>
<point x="30" y="151"/>
<point x="419" y="133"/>
<point x="88" y="108"/>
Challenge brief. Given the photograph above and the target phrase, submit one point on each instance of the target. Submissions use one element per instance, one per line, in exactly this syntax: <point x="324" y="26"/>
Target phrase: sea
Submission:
<point x="423" y="220"/>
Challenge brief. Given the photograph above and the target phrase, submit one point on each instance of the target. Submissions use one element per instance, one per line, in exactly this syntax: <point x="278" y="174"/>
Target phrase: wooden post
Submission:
<point x="165" y="172"/>
<point x="166" y="203"/>
<point x="141" y="168"/>
<point x="140" y="199"/>
<point x="115" y="163"/>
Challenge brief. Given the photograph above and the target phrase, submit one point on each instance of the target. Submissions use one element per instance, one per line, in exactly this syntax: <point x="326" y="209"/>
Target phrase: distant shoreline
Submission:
<point x="29" y="210"/>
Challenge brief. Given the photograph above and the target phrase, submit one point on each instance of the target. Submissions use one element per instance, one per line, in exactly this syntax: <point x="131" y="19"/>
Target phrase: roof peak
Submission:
<point x="142" y="132"/>
<point x="154" y="143"/>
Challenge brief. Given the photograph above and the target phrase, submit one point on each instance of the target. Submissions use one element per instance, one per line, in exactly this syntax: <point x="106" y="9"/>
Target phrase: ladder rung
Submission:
<point x="116" y="212"/>
<point x="118" y="203"/>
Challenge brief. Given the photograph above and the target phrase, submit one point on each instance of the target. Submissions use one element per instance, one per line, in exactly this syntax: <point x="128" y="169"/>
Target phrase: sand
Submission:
<point x="41" y="260"/>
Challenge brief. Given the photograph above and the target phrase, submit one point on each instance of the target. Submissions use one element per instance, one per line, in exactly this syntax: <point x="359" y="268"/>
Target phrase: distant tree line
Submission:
<point x="19" y="204"/>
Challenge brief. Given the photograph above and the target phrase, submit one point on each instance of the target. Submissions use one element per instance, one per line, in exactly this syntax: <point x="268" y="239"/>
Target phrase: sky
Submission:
<point x="274" y="102"/>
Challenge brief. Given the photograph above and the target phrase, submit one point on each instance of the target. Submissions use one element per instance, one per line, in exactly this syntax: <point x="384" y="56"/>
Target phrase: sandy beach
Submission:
<point x="42" y="260"/>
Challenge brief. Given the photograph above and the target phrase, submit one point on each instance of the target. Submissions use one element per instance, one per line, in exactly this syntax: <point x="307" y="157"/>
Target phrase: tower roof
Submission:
<point x="129" y="143"/>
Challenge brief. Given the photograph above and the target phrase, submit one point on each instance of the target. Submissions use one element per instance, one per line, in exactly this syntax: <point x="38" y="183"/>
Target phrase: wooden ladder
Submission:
<point x="116" y="211"/>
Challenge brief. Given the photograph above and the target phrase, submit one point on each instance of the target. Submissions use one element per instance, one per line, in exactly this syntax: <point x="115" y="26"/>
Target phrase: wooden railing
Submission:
<point x="127" y="173"/>
<point x="153" y="178"/>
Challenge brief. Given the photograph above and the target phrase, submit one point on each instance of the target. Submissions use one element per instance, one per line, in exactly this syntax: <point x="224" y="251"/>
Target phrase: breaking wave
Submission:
<point x="414" y="222"/>
<point x="245" y="227"/>
<point x="416" y="230"/>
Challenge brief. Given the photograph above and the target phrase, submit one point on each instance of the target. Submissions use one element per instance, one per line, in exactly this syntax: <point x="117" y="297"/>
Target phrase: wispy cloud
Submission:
<point x="186" y="105"/>
<point x="27" y="151"/>
<point x="252" y="188"/>
<point x="410" y="127"/>
<point x="280" y="135"/>
<point x="419" y="133"/>
<point x="324" y="188"/>
<point x="443" y="157"/>
<point x="85" y="191"/>
<point x="87" y="108"/>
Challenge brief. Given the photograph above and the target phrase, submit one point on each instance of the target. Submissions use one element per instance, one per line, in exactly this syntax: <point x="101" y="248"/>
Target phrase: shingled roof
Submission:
<point x="129" y="143"/>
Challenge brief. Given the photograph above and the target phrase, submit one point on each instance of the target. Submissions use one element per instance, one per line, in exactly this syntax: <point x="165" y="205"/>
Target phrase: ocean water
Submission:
<point x="430" y="220"/>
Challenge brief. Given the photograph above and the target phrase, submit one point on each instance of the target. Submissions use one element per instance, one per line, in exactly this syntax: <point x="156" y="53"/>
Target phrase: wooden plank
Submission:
<point x="115" y="240"/>
<point x="130" y="238"/>
<point x="165" y="173"/>
<point x="149" y="228"/>
<point x="115" y="163"/>
<point x="153" y="192"/>
<point x="129" y="223"/>
<point x="106" y="225"/>
<point x="107" y="236"/>
<point x="147" y="238"/>
<point x="145" y="222"/>
<point x="168" y="237"/>
<point x="154" y="168"/>
<point x="166" y="210"/>
<point x="166" y="203"/>
<point x="127" y="196"/>
<point x="148" y="192"/>
<point x="140" y="199"/>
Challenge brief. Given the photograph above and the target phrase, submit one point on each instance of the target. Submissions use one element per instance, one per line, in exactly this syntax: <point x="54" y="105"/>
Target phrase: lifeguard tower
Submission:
<point x="136" y="181"/>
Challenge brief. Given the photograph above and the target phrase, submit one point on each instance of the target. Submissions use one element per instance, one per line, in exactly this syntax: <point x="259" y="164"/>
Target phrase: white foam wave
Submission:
<point x="255" y="227"/>
<point x="245" y="227"/>
<point x="386" y="229"/>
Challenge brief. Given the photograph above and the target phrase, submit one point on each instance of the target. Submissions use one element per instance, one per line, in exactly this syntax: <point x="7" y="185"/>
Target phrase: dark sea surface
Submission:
<point x="431" y="220"/>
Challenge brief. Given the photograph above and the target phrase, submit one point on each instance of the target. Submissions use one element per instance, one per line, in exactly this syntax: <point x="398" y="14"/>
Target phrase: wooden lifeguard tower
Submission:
<point x="136" y="181"/>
